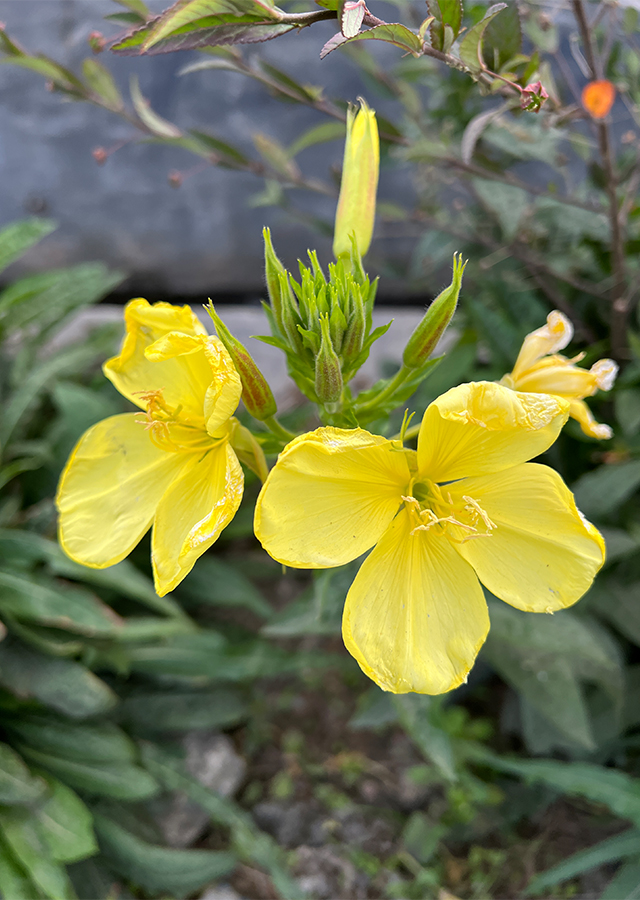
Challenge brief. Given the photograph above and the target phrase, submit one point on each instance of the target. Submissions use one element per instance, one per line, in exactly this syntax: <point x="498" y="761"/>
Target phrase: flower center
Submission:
<point x="432" y="507"/>
<point x="166" y="430"/>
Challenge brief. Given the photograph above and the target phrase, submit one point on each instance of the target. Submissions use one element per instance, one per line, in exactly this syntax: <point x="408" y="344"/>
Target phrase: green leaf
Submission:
<point x="66" y="825"/>
<point x="416" y="712"/>
<point x="445" y="12"/>
<point x="160" y="869"/>
<point x="119" y="780"/>
<point x="102" y="742"/>
<point x="304" y="93"/>
<point x="17" y="784"/>
<point x="507" y="203"/>
<point x="136" y="6"/>
<point x="600" y="492"/>
<point x="275" y="156"/>
<point x="155" y="123"/>
<point x="183" y="711"/>
<point x="17" y="238"/>
<point x="14" y="884"/>
<point x="394" y="33"/>
<point x="627" y="403"/>
<point x="617" y="847"/>
<point x="182" y="17"/>
<point x="214" y="36"/>
<point x="101" y="82"/>
<point x="62" y="684"/>
<point x="221" y="148"/>
<point x="70" y="608"/>
<point x="24" y="836"/>
<point x="625" y="884"/>
<point x="617" y="602"/>
<point x="471" y="44"/>
<point x="217" y="583"/>
<point x="318" y="134"/>
<point x="502" y="38"/>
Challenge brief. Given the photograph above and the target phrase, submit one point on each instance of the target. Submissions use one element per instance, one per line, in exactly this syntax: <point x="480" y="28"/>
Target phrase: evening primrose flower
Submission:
<point x="465" y="508"/>
<point x="540" y="368"/>
<point x="171" y="465"/>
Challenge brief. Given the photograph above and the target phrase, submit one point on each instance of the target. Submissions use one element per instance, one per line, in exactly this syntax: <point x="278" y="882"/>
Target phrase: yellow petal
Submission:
<point x="482" y="427"/>
<point x="543" y="555"/>
<point x="329" y="497"/>
<point x="193" y="512"/>
<point x="557" y="375"/>
<point x="225" y="388"/>
<point x="357" y="201"/>
<point x="415" y="616"/>
<point x="183" y="379"/>
<point x="582" y="414"/>
<point x="110" y="488"/>
<point x="553" y="336"/>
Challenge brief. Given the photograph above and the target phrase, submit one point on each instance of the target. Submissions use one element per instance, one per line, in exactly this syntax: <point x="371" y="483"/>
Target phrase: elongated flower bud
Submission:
<point x="256" y="393"/>
<point x="328" y="369"/>
<point x="422" y="342"/>
<point x="274" y="270"/>
<point x="357" y="202"/>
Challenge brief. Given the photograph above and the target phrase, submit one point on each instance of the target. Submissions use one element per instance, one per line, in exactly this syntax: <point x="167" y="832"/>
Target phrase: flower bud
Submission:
<point x="328" y="369"/>
<point x="357" y="202"/>
<point x="423" y="341"/>
<point x="274" y="270"/>
<point x="354" y="335"/>
<point x="256" y="393"/>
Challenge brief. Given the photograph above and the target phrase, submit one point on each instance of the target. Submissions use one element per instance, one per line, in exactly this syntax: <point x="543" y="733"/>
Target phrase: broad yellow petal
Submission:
<point x="415" y="616"/>
<point x="110" y="488"/>
<point x="183" y="379"/>
<point x="330" y="496"/>
<point x="482" y="427"/>
<point x="557" y="375"/>
<point x="193" y="512"/>
<point x="225" y="388"/>
<point x="542" y="555"/>
<point x="553" y="336"/>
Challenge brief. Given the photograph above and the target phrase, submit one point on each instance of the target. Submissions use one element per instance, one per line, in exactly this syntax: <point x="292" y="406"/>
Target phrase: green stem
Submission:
<point x="397" y="381"/>
<point x="276" y="428"/>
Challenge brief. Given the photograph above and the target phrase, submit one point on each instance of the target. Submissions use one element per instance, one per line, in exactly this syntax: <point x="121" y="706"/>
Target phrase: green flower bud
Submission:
<point x="290" y="314"/>
<point x="274" y="270"/>
<point x="337" y="327"/>
<point x="422" y="342"/>
<point x="256" y="393"/>
<point x="357" y="202"/>
<point x="328" y="369"/>
<point x="354" y="335"/>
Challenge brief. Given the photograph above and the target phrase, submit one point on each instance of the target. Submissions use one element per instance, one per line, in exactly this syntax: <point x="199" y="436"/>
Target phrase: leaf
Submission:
<point x="302" y="92"/>
<point x="275" y="155"/>
<point x="502" y="38"/>
<point x="215" y="36"/>
<point x="625" y="884"/>
<point x="600" y="492"/>
<point x="17" y="784"/>
<point x="627" y="403"/>
<point x="220" y="584"/>
<point x="71" y="608"/>
<point x="160" y="869"/>
<point x="211" y="143"/>
<point x="22" y="833"/>
<point x="617" y="847"/>
<point x="509" y="204"/>
<point x="101" y="82"/>
<point x="318" y="134"/>
<point x="17" y="238"/>
<point x="471" y="44"/>
<point x="184" y="17"/>
<point x="394" y="33"/>
<point x="102" y="742"/>
<point x="14" y="884"/>
<point x="155" y="123"/>
<point x="415" y="712"/>
<point x="66" y="825"/>
<point x="183" y="711"/>
<point x="62" y="684"/>
<point x="617" y="602"/>
<point x="474" y="130"/>
<point x="119" y="781"/>
<point x="136" y="6"/>
<point x="445" y="13"/>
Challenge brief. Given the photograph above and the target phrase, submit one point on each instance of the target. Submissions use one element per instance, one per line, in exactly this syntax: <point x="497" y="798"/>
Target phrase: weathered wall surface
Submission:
<point x="201" y="238"/>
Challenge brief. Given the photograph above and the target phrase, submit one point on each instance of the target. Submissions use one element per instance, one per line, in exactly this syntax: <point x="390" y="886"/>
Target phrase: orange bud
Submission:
<point x="598" y="98"/>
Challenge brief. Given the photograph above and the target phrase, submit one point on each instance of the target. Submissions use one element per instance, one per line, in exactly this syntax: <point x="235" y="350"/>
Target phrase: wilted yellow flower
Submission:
<point x="171" y="466"/>
<point x="541" y="369"/>
<point x="357" y="202"/>
<point x="465" y="508"/>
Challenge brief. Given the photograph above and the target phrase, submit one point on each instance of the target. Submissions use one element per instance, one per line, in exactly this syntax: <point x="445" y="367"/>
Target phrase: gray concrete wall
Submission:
<point x="201" y="238"/>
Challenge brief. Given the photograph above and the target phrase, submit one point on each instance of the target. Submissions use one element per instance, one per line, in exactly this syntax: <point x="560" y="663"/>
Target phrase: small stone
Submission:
<point x="220" y="892"/>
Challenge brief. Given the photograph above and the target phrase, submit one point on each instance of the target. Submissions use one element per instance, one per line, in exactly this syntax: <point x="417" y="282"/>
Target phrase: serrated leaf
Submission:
<point x="394" y="33"/>
<point x="351" y="16"/>
<point x="182" y="710"/>
<point x="155" y="123"/>
<point x="119" y="781"/>
<point x="17" y="784"/>
<point x="600" y="492"/>
<point x="101" y="82"/>
<point x="66" y="824"/>
<point x="17" y="238"/>
<point x="160" y="869"/>
<point x="136" y="6"/>
<point x="471" y="44"/>
<point x="22" y="833"/>
<point x="502" y="38"/>
<point x="182" y="17"/>
<point x="214" y="36"/>
<point x="62" y="684"/>
<point x="446" y="13"/>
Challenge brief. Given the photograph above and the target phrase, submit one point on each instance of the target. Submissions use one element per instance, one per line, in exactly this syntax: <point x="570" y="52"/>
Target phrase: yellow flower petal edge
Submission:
<point x="172" y="465"/>
<point x="415" y="616"/>
<point x="483" y="427"/>
<point x="330" y="497"/>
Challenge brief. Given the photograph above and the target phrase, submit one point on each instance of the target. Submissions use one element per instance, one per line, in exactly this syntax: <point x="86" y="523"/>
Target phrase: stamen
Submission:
<point x="474" y="507"/>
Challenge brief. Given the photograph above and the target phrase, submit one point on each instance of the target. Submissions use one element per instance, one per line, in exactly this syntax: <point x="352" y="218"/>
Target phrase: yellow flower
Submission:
<point x="171" y="466"/>
<point x="465" y="508"/>
<point x="357" y="202"/>
<point x="541" y="369"/>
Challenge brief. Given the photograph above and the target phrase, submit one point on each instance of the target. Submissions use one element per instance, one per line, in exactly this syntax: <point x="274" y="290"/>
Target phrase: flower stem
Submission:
<point x="276" y="428"/>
